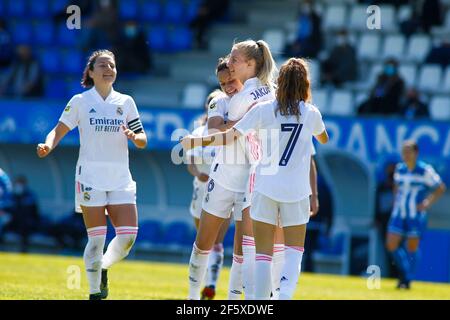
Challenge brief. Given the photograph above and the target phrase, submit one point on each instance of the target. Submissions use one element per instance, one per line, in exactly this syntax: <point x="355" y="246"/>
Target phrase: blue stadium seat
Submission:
<point x="59" y="5"/>
<point x="43" y="33"/>
<point x="128" y="10"/>
<point x="74" y="87"/>
<point x="40" y="9"/>
<point x="180" y="39"/>
<point x="151" y="11"/>
<point x="72" y="62"/>
<point x="2" y="8"/>
<point x="50" y="60"/>
<point x="21" y="32"/>
<point x="229" y="237"/>
<point x="192" y="9"/>
<point x="174" y="11"/>
<point x="157" y="38"/>
<point x="151" y="231"/>
<point x="17" y="8"/>
<point x="67" y="37"/>
<point x="55" y="88"/>
<point x="178" y="233"/>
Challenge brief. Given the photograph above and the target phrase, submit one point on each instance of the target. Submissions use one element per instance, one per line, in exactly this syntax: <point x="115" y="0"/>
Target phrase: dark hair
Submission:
<point x="222" y="64"/>
<point x="412" y="144"/>
<point x="86" y="80"/>
<point x="293" y="86"/>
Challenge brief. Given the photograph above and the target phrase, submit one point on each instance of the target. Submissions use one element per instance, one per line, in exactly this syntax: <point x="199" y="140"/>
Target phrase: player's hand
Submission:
<point x="314" y="205"/>
<point x="43" y="150"/>
<point x="186" y="142"/>
<point x="130" y="134"/>
<point x="424" y="205"/>
<point x="203" y="177"/>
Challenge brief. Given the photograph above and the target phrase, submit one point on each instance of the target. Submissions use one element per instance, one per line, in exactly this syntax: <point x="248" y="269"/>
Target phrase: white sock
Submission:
<point x="291" y="271"/>
<point x="248" y="267"/>
<point x="197" y="270"/>
<point x="277" y="267"/>
<point x="235" y="286"/>
<point x="215" y="264"/>
<point x="120" y="246"/>
<point x="263" y="276"/>
<point x="92" y="256"/>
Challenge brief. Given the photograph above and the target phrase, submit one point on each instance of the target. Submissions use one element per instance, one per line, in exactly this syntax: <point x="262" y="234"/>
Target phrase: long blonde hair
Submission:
<point x="260" y="52"/>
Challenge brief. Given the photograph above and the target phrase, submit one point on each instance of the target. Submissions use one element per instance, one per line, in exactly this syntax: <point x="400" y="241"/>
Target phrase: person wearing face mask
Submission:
<point x="24" y="211"/>
<point x="341" y="64"/>
<point x="385" y="96"/>
<point x="413" y="107"/>
<point x="133" y="53"/>
<point x="308" y="42"/>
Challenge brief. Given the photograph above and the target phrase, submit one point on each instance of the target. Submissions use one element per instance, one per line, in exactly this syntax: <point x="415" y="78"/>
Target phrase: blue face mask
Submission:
<point x="389" y="70"/>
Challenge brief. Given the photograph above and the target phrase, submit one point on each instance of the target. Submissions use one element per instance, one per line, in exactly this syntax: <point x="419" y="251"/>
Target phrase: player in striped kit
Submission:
<point x="417" y="187"/>
<point x="286" y="154"/>
<point x="106" y="120"/>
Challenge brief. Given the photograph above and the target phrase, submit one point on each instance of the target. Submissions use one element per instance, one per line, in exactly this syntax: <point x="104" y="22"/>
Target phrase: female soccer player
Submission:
<point x="106" y="120"/>
<point x="417" y="187"/>
<point x="282" y="185"/>
<point x="226" y="187"/>
<point x="199" y="167"/>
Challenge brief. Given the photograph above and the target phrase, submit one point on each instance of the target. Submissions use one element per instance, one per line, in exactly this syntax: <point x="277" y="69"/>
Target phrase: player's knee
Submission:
<point x="127" y="242"/>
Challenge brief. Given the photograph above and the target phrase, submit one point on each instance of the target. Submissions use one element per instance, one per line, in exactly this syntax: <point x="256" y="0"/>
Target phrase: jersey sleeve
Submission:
<point x="432" y="179"/>
<point x="71" y="114"/>
<point x="216" y="108"/>
<point x="313" y="149"/>
<point x="239" y="105"/>
<point x="133" y="120"/>
<point x="317" y="126"/>
<point x="251" y="120"/>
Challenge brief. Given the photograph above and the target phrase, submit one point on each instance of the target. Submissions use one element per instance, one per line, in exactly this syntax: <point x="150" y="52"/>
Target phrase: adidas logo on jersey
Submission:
<point x="283" y="279"/>
<point x="92" y="111"/>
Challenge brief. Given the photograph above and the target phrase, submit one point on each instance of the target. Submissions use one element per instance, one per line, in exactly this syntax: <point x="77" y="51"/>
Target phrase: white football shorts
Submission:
<point x="222" y="202"/>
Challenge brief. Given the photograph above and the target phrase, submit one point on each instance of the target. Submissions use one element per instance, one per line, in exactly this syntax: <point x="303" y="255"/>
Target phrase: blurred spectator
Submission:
<point x="24" y="78"/>
<point x="412" y="107"/>
<point x="386" y="94"/>
<point x="341" y="64"/>
<point x="425" y="15"/>
<point x="5" y="200"/>
<point x="102" y="29"/>
<point x="309" y="35"/>
<point x="69" y="232"/>
<point x="7" y="52"/>
<point x="132" y="51"/>
<point x="440" y="54"/>
<point x="208" y="11"/>
<point x="24" y="209"/>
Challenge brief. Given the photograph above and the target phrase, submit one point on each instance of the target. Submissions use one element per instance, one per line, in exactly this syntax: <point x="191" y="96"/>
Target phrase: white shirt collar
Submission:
<point x="98" y="97"/>
<point x="251" y="82"/>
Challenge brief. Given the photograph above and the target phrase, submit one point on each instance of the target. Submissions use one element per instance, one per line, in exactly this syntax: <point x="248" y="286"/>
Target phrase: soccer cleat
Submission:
<point x="104" y="284"/>
<point x="208" y="293"/>
<point x="95" y="296"/>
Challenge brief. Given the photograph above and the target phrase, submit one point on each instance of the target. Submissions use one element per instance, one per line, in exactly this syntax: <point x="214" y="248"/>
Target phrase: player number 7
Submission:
<point x="296" y="129"/>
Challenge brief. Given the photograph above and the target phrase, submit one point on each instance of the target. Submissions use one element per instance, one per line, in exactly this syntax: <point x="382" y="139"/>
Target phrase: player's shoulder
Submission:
<point x="401" y="167"/>
<point x="423" y="166"/>
<point x="309" y="107"/>
<point x="221" y="100"/>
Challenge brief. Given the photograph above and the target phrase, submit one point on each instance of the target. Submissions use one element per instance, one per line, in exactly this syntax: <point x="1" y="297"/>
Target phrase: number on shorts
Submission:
<point x="295" y="128"/>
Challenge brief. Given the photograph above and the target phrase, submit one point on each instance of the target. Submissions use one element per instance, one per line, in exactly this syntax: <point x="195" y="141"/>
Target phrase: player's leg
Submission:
<point x="399" y="255"/>
<point x="294" y="217"/>
<point x="207" y="233"/>
<point x="264" y="233"/>
<point x="278" y="261"/>
<point x="415" y="227"/>
<point x="95" y="222"/>
<point x="196" y="223"/>
<point x="235" y="285"/>
<point x="215" y="263"/>
<point x="249" y="254"/>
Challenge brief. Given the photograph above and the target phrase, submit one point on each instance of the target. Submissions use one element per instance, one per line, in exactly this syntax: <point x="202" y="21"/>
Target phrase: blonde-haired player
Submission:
<point x="106" y="120"/>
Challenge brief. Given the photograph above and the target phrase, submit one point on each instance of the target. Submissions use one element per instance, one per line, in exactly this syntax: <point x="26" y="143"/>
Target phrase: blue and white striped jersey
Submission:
<point x="5" y="190"/>
<point x="413" y="187"/>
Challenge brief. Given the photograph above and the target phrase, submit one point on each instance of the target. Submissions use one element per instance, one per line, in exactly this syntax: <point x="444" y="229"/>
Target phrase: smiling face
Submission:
<point x="228" y="84"/>
<point x="409" y="154"/>
<point x="104" y="71"/>
<point x="240" y="67"/>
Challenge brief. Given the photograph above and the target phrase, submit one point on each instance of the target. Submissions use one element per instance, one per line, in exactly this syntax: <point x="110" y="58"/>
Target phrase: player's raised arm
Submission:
<point x="52" y="140"/>
<point x="211" y="140"/>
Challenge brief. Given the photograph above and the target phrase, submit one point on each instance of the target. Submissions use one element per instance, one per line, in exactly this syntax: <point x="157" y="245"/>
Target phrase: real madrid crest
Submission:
<point x="119" y="111"/>
<point x="86" y="196"/>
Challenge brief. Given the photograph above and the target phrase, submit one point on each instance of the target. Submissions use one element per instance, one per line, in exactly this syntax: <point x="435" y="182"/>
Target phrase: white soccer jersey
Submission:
<point x="283" y="172"/>
<point x="203" y="156"/>
<point x="103" y="158"/>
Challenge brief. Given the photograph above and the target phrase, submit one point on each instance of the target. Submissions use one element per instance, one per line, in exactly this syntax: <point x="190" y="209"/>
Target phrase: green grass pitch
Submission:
<point x="30" y="276"/>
